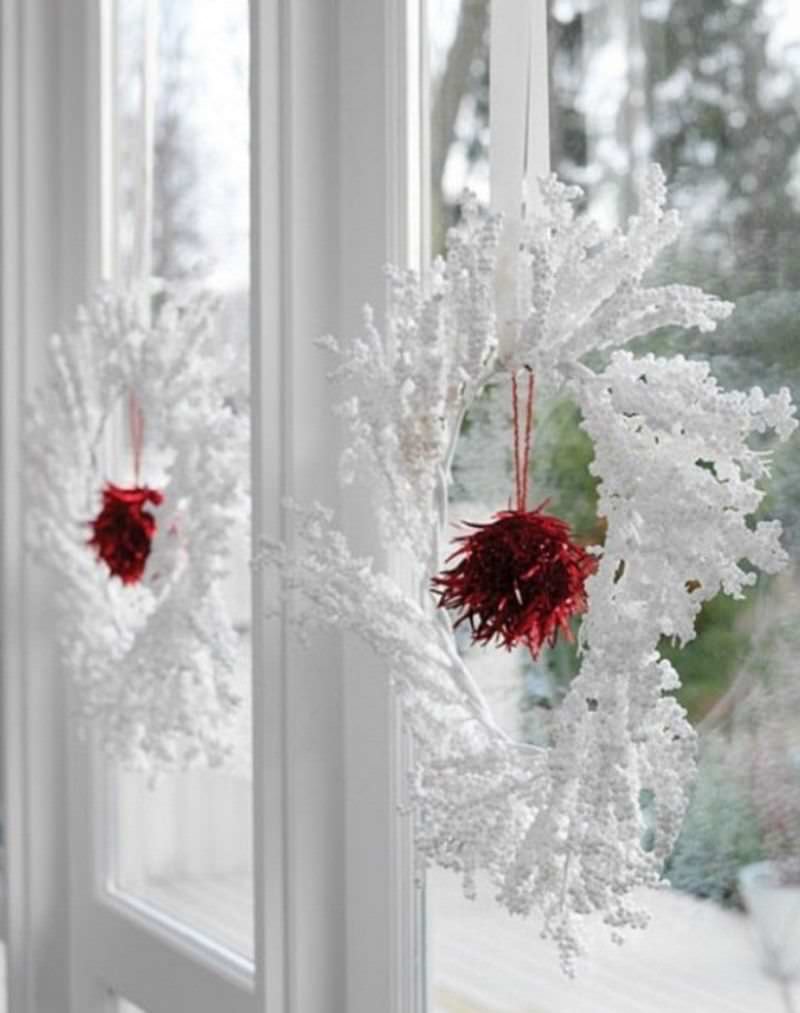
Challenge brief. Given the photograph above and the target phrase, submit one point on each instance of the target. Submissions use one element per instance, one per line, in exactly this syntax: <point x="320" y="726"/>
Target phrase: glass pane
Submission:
<point x="459" y="130"/>
<point x="712" y="92"/>
<point x="183" y="845"/>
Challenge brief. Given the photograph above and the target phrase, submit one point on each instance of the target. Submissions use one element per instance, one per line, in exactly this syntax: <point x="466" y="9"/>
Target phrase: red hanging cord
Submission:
<point x="515" y="420"/>
<point x="522" y="458"/>
<point x="136" y="420"/>
<point x="528" y="438"/>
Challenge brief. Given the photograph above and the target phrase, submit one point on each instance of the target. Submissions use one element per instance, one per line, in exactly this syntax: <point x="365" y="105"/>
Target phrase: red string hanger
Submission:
<point x="123" y="531"/>
<point x="520" y="577"/>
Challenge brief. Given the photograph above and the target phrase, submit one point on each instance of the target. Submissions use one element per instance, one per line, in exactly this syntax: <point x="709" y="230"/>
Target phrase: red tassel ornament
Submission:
<point x="519" y="578"/>
<point x="122" y="533"/>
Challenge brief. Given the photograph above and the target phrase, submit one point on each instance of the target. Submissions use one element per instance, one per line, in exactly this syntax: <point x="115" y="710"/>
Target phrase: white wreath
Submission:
<point x="560" y="829"/>
<point x="153" y="662"/>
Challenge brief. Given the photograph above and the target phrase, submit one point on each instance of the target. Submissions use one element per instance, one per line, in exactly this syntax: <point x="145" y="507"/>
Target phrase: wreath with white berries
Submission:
<point x="137" y="451"/>
<point x="562" y="829"/>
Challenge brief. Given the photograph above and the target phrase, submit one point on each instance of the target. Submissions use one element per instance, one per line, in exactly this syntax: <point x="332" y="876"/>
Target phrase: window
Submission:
<point x="272" y="149"/>
<point x="709" y="91"/>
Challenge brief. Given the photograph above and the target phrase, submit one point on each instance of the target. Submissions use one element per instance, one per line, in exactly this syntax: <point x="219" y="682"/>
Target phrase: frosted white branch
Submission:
<point x="153" y="663"/>
<point x="573" y="828"/>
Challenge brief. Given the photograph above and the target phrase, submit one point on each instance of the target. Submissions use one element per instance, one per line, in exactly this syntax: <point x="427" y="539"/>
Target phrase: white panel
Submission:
<point x="332" y="209"/>
<point x="266" y="365"/>
<point x="381" y="191"/>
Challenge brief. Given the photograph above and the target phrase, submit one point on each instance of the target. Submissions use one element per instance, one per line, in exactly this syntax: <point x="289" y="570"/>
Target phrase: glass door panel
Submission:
<point x="711" y="92"/>
<point x="181" y="845"/>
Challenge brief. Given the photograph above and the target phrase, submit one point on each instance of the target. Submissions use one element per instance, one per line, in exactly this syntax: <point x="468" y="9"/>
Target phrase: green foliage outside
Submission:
<point x="707" y="664"/>
<point x="720" y="834"/>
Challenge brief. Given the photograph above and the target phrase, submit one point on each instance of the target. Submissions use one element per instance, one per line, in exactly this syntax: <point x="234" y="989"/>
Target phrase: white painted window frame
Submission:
<point x="337" y="81"/>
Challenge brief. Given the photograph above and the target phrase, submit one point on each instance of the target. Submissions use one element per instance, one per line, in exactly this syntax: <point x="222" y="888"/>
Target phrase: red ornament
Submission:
<point x="518" y="579"/>
<point x="122" y="533"/>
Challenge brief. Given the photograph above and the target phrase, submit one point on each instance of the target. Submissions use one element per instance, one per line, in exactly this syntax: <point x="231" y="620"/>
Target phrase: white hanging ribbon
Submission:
<point x="142" y="265"/>
<point x="519" y="139"/>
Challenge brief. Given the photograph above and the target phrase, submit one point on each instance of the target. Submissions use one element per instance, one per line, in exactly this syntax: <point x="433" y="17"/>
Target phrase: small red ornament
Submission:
<point x="518" y="579"/>
<point x="122" y="533"/>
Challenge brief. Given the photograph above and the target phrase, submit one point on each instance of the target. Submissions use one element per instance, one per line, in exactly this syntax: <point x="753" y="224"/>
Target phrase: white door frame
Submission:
<point x="35" y="919"/>
<point x="336" y="83"/>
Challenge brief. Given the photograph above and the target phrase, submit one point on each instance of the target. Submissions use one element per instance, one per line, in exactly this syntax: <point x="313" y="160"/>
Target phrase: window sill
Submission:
<point x="693" y="956"/>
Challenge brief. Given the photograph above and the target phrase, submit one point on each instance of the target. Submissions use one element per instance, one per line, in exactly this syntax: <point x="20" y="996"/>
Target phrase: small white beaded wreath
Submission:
<point x="153" y="662"/>
<point x="562" y="829"/>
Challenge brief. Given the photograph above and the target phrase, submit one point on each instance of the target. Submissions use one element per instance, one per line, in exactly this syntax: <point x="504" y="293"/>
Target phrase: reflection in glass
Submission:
<point x="183" y="845"/>
<point x="459" y="129"/>
<point x="712" y="92"/>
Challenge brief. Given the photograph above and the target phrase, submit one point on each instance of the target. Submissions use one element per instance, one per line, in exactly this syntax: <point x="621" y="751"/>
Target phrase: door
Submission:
<point x="268" y="149"/>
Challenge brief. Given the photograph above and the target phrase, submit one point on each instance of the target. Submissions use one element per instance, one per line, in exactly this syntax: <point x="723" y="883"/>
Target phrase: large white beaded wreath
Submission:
<point x="561" y="829"/>
<point x="154" y="661"/>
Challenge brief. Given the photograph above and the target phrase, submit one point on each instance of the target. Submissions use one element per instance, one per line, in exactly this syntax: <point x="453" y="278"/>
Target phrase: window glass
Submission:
<point x="712" y="92"/>
<point x="183" y="844"/>
<point x="459" y="103"/>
